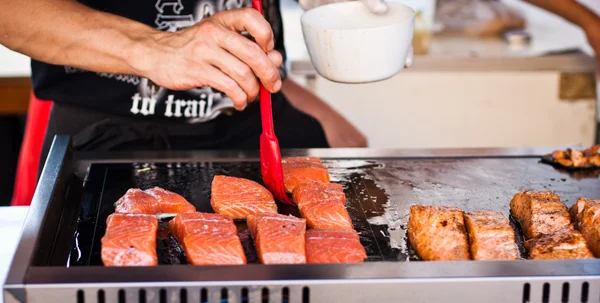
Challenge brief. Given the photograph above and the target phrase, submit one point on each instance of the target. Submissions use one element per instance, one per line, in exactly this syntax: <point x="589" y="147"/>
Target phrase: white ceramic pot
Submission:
<point x="349" y="44"/>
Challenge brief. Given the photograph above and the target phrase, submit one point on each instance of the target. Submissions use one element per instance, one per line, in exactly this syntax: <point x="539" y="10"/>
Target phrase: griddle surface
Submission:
<point x="379" y="194"/>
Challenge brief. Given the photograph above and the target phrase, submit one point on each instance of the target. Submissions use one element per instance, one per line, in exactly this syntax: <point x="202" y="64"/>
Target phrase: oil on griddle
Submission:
<point x="379" y="195"/>
<point x="107" y="182"/>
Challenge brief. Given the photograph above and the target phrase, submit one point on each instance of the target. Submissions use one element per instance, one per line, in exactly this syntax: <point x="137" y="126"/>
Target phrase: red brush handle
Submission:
<point x="264" y="95"/>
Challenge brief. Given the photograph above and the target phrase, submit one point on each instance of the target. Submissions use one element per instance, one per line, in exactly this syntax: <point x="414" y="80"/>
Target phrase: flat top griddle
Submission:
<point x="379" y="194"/>
<point x="57" y="259"/>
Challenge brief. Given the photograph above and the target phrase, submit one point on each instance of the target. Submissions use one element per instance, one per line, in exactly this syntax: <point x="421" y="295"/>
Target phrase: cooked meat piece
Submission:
<point x="585" y="214"/>
<point x="236" y="198"/>
<point x="490" y="236"/>
<point x="540" y="212"/>
<point x="438" y="233"/>
<point x="563" y="244"/>
<point x="279" y="239"/>
<point x="578" y="158"/>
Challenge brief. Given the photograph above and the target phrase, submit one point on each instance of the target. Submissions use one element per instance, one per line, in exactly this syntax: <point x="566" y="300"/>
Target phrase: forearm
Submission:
<point x="571" y="10"/>
<point x="64" y="32"/>
<point x="305" y="101"/>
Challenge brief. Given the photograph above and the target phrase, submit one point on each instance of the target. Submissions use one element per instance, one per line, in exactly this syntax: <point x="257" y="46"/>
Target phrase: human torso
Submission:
<point x="132" y="95"/>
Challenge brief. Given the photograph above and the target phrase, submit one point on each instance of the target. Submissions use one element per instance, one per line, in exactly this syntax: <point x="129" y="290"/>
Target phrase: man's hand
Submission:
<point x="214" y="53"/>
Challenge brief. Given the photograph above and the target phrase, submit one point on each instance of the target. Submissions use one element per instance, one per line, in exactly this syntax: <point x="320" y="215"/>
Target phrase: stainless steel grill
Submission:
<point x="58" y="259"/>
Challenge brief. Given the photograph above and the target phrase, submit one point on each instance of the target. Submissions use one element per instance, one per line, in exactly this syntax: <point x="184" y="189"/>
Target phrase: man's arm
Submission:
<point x="571" y="10"/>
<point x="212" y="52"/>
<point x="579" y="15"/>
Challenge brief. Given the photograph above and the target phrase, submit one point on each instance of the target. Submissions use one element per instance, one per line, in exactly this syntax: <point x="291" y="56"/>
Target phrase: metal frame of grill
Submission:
<point x="499" y="281"/>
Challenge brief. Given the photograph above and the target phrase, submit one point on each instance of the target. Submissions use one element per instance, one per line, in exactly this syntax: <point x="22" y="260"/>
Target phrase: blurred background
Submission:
<point x="470" y="85"/>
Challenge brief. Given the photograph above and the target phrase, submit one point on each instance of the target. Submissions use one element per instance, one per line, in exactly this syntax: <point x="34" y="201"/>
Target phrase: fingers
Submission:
<point x="377" y="7"/>
<point x="250" y="20"/>
<point x="275" y="57"/>
<point x="253" y="56"/>
<point x="217" y="79"/>
<point x="237" y="70"/>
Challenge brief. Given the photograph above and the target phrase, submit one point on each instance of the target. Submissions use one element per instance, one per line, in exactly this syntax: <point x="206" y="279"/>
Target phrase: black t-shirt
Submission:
<point x="136" y="96"/>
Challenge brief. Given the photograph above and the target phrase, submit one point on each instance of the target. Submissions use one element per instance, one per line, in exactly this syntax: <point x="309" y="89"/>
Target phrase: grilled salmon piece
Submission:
<point x="322" y="204"/>
<point x="236" y="198"/>
<point x="153" y="201"/>
<point x="490" y="236"/>
<point x="567" y="243"/>
<point x="208" y="239"/>
<point x="315" y="191"/>
<point x="540" y="212"/>
<point x="334" y="246"/>
<point x="585" y="214"/>
<point x="437" y="233"/>
<point x="298" y="170"/>
<point x="279" y="239"/>
<point x="130" y="240"/>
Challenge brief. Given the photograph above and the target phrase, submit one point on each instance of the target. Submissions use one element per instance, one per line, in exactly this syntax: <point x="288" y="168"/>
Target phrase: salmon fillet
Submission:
<point x="322" y="204"/>
<point x="153" y="201"/>
<point x="314" y="191"/>
<point x="130" y="240"/>
<point x="490" y="236"/>
<point x="208" y="239"/>
<point x="563" y="244"/>
<point x="585" y="214"/>
<point x="298" y="170"/>
<point x="437" y="233"/>
<point x="540" y="212"/>
<point x="236" y="198"/>
<point x="334" y="246"/>
<point x="279" y="239"/>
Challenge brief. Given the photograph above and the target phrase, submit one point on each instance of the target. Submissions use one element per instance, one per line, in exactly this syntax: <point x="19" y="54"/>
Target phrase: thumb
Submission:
<point x="376" y="6"/>
<point x="409" y="58"/>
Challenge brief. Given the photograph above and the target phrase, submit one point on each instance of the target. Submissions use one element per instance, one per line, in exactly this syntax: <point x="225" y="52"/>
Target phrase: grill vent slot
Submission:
<point x="183" y="295"/>
<point x="265" y="295"/>
<point x="306" y="294"/>
<point x="122" y="296"/>
<point x="163" y="295"/>
<point x="244" y="297"/>
<point x="584" y="292"/>
<point x="203" y="296"/>
<point x="285" y="295"/>
<point x="526" y="291"/>
<point x="142" y="296"/>
<point x="224" y="295"/>
<point x="565" y="292"/>
<point x="101" y="296"/>
<point x="80" y="296"/>
<point x="546" y="293"/>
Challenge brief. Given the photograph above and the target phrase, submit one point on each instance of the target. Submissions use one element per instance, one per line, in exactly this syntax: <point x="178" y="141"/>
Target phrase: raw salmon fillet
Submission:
<point x="298" y="170"/>
<point x="153" y="201"/>
<point x="540" y="212"/>
<point x="322" y="204"/>
<point x="437" y="233"/>
<point x="236" y="198"/>
<point x="490" y="236"/>
<point x="130" y="240"/>
<point x="314" y="191"/>
<point x="563" y="244"/>
<point x="208" y="239"/>
<point x="334" y="246"/>
<point x="585" y="214"/>
<point x="279" y="239"/>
